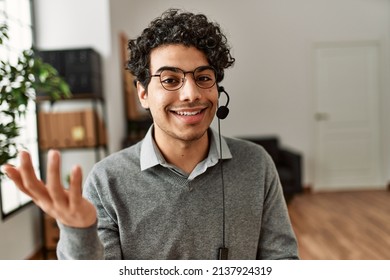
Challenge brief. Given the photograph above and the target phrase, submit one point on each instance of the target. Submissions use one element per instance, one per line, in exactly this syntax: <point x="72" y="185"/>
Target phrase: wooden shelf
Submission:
<point x="78" y="96"/>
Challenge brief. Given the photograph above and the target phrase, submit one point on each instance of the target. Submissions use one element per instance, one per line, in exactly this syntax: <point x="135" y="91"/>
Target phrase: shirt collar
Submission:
<point x="151" y="155"/>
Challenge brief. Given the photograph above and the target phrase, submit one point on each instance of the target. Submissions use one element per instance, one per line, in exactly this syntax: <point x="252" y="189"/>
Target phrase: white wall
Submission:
<point x="271" y="83"/>
<point x="20" y="234"/>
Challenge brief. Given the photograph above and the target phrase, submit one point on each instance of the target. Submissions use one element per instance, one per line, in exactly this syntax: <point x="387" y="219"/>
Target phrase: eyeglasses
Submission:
<point x="172" y="78"/>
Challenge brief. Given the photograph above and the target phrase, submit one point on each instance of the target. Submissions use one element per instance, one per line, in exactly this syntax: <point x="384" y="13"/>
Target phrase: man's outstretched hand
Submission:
<point x="66" y="206"/>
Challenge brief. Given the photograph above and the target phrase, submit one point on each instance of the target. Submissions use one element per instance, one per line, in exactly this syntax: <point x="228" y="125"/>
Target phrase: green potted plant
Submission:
<point x="19" y="83"/>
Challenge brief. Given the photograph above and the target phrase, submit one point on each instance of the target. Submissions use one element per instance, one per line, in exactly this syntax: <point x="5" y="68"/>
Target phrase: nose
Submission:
<point x="189" y="91"/>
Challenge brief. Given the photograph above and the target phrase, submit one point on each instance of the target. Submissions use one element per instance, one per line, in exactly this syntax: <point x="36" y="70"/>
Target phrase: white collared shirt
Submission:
<point x="151" y="155"/>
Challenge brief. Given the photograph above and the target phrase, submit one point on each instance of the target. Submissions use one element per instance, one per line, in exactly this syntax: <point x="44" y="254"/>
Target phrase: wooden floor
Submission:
<point x="342" y="225"/>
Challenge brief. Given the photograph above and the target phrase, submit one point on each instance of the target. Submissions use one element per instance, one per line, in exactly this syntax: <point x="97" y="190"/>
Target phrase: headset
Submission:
<point x="222" y="113"/>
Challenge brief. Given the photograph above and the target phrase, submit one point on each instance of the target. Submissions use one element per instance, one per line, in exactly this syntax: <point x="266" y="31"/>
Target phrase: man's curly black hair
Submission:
<point x="179" y="27"/>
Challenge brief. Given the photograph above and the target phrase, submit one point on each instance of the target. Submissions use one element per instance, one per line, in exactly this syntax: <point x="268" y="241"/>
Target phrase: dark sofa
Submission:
<point x="288" y="164"/>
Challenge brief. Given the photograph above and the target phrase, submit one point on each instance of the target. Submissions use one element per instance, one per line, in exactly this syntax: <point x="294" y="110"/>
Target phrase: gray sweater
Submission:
<point x="158" y="214"/>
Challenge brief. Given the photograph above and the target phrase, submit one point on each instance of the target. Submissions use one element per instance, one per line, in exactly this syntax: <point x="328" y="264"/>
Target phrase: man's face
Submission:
<point x="184" y="114"/>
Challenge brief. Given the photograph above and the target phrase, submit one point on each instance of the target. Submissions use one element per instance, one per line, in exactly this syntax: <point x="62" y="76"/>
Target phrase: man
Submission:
<point x="183" y="192"/>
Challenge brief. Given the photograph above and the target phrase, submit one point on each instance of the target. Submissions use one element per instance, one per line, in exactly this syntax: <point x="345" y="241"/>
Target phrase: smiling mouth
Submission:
<point x="190" y="116"/>
<point x="185" y="113"/>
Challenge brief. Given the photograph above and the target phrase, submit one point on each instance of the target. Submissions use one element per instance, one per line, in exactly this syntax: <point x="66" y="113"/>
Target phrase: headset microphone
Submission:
<point x="223" y="111"/>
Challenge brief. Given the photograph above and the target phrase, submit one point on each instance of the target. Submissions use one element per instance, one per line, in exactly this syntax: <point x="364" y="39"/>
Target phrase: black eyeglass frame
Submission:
<point x="176" y="69"/>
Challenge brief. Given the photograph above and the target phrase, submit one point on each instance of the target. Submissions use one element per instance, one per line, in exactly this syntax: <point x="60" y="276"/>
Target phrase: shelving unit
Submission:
<point x="74" y="126"/>
<point x="137" y="118"/>
<point x="66" y="126"/>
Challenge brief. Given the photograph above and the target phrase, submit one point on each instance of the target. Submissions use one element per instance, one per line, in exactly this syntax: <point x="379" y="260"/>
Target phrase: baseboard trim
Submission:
<point x="307" y="189"/>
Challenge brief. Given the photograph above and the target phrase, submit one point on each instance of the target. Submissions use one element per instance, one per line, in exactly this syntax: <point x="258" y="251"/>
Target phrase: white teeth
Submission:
<point x="188" y="113"/>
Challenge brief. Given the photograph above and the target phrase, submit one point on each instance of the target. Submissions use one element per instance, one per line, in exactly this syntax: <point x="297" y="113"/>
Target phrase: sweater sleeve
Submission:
<point x="97" y="190"/>
<point x="100" y="241"/>
<point x="79" y="243"/>
<point x="277" y="239"/>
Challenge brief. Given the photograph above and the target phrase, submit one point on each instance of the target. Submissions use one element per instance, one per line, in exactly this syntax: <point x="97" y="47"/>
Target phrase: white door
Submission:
<point x="347" y="118"/>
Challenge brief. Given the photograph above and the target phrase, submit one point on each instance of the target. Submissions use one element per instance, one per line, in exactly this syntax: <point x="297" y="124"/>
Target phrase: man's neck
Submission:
<point x="184" y="154"/>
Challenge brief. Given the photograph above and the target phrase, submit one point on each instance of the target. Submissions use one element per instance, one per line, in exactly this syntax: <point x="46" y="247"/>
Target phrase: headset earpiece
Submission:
<point x="223" y="111"/>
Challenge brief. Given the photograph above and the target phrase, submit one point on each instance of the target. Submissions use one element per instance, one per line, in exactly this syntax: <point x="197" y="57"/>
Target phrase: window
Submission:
<point x="17" y="14"/>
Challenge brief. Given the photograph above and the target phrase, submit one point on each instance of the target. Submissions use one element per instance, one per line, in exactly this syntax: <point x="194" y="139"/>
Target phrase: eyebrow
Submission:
<point x="177" y="69"/>
<point x="170" y="68"/>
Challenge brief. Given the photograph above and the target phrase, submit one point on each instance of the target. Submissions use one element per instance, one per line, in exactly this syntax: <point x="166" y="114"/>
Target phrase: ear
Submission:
<point x="142" y="95"/>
